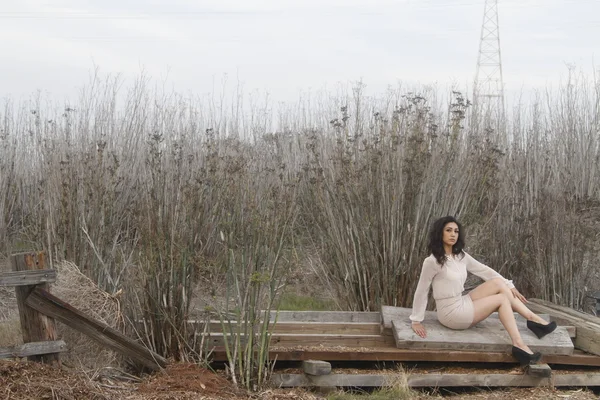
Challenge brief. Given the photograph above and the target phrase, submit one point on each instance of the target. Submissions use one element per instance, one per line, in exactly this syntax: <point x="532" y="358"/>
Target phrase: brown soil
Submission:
<point x="23" y="380"/>
<point x="29" y="380"/>
<point x="188" y="378"/>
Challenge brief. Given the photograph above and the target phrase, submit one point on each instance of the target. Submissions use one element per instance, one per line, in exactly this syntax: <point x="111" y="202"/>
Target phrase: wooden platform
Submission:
<point x="353" y="336"/>
<point x="487" y="336"/>
<point x="369" y="337"/>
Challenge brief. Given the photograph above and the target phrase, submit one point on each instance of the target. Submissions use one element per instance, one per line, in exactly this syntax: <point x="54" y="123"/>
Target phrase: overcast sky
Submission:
<point x="287" y="46"/>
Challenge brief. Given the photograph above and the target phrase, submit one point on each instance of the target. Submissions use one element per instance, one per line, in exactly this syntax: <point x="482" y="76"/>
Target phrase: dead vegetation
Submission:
<point x="82" y="293"/>
<point x="150" y="193"/>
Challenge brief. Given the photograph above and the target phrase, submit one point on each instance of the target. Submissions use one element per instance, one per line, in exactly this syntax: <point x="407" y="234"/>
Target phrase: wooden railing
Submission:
<point x="38" y="309"/>
<point x="39" y="331"/>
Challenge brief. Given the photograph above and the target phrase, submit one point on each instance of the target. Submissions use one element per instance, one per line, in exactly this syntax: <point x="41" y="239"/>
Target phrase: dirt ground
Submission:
<point x="23" y="380"/>
<point x="28" y="381"/>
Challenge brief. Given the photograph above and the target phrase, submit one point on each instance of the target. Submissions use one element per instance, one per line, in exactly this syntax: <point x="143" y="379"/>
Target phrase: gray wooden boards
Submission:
<point x="24" y="278"/>
<point x="33" y="349"/>
<point x="487" y="336"/>
<point x="436" y="380"/>
<point x="47" y="304"/>
<point x="389" y="313"/>
<point x="588" y="326"/>
<point x="325" y="316"/>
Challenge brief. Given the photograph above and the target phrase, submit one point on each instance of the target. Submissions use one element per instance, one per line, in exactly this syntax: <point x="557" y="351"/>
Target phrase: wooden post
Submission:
<point x="36" y="327"/>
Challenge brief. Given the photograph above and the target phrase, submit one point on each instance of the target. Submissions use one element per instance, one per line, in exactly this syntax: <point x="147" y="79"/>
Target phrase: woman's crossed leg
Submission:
<point x="498" y="286"/>
<point x="494" y="295"/>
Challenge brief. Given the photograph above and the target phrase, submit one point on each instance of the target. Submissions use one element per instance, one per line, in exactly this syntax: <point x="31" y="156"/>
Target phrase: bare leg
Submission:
<point x="485" y="306"/>
<point x="498" y="286"/>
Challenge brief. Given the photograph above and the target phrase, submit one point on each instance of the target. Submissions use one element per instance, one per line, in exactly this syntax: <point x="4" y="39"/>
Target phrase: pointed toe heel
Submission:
<point x="541" y="330"/>
<point x="524" y="357"/>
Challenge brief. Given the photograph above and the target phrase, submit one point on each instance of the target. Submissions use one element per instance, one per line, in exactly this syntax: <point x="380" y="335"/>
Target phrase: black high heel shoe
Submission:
<point x="524" y="357"/>
<point x="541" y="330"/>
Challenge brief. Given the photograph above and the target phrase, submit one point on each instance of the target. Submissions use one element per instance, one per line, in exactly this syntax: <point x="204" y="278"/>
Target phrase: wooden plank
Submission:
<point x="394" y="354"/>
<point x="326" y="316"/>
<point x="50" y="305"/>
<point x="588" y="333"/>
<point x="571" y="330"/>
<point x="575" y="313"/>
<point x="35" y="326"/>
<point x="414" y="380"/>
<point x="568" y="317"/>
<point x="24" y="278"/>
<point x="488" y="335"/>
<point x="435" y="380"/>
<point x="539" y="370"/>
<point x="312" y="328"/>
<point x="33" y="349"/>
<point x="389" y="314"/>
<point x="330" y="340"/>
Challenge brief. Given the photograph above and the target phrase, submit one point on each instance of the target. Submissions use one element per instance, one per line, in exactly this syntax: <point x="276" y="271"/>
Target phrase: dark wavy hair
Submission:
<point x="436" y="246"/>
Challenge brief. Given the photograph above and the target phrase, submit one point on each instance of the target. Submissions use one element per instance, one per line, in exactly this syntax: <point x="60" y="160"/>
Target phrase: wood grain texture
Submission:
<point x="24" y="278"/>
<point x="395" y="354"/>
<point x="33" y="349"/>
<point x="50" y="305"/>
<point x="588" y="331"/>
<point x="35" y="326"/>
<point x="436" y="380"/>
<point x="487" y="336"/>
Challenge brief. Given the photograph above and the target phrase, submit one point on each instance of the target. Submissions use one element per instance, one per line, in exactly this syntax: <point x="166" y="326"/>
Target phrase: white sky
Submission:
<point x="284" y="47"/>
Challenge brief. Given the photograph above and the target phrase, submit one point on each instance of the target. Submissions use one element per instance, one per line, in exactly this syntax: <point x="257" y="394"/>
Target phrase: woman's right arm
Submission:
<point x="428" y="272"/>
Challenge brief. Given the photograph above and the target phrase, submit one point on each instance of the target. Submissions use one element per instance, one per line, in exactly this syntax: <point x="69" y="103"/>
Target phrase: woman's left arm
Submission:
<point x="486" y="273"/>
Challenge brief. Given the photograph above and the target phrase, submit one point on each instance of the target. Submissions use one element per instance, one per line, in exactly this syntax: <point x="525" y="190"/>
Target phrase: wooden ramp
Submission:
<point x="487" y="336"/>
<point x="587" y="325"/>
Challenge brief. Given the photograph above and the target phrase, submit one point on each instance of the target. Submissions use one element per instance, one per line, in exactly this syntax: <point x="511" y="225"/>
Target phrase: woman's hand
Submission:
<point x="518" y="295"/>
<point x="419" y="329"/>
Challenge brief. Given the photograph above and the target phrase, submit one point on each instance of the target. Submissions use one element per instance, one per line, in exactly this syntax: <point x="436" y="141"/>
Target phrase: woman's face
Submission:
<point x="450" y="234"/>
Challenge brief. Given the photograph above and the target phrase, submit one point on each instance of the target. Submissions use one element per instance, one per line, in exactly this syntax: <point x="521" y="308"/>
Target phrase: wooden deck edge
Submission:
<point x="435" y="380"/>
<point x="218" y="354"/>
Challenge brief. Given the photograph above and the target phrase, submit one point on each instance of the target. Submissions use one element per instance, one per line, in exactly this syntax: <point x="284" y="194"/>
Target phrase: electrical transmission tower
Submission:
<point x="488" y="91"/>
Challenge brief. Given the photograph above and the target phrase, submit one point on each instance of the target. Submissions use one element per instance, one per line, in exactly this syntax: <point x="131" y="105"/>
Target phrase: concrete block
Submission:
<point x="317" y="368"/>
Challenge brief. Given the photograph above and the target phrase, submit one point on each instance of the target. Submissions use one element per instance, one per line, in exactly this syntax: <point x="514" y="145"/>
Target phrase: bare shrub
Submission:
<point x="135" y="186"/>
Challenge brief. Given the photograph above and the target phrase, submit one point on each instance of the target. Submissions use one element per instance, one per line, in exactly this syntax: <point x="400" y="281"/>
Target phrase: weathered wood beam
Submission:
<point x="393" y="354"/>
<point x="588" y="332"/>
<point x="435" y="380"/>
<point x="326" y="316"/>
<point x="293" y="340"/>
<point x="43" y="302"/>
<point x="35" y="326"/>
<point x="24" y="278"/>
<point x="569" y="311"/>
<point x="33" y="349"/>
<point x="301" y="328"/>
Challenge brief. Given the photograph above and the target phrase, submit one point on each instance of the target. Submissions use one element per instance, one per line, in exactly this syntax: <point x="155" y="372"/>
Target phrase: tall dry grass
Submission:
<point x="136" y="185"/>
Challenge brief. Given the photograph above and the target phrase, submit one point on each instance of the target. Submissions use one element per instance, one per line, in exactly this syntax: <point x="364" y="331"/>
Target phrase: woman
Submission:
<point x="446" y="270"/>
